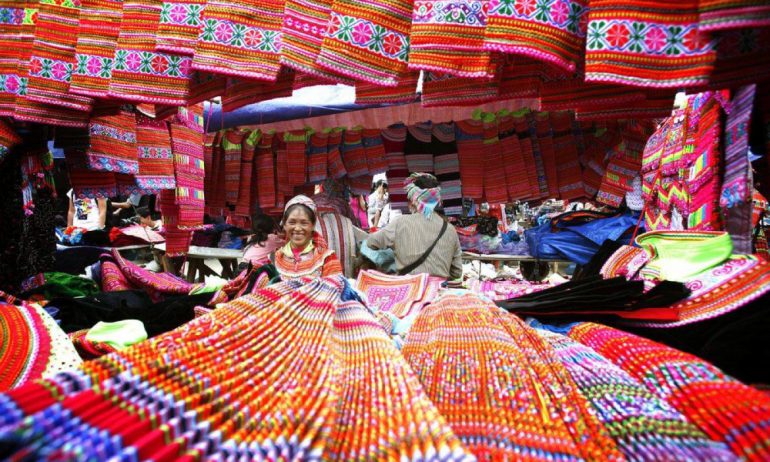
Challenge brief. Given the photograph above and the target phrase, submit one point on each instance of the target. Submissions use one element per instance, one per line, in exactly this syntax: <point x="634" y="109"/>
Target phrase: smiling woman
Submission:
<point x="305" y="254"/>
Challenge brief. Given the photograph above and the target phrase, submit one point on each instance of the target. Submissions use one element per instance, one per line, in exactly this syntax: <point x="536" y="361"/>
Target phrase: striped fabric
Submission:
<point x="156" y="160"/>
<point x="231" y="149"/>
<point x="545" y="142"/>
<point x="241" y="39"/>
<point x="296" y="148"/>
<point x="205" y="87"/>
<point x="625" y="163"/>
<point x="566" y="154"/>
<point x="448" y="37"/>
<point x="242" y="92"/>
<point x="701" y="169"/>
<point x="516" y="178"/>
<point x="375" y="151"/>
<point x="527" y="154"/>
<point x="97" y="39"/>
<point x="470" y="151"/>
<point x="736" y="188"/>
<point x="447" y="167"/>
<point x="304" y="26"/>
<point x="718" y="15"/>
<point x="179" y="26"/>
<point x="302" y="80"/>
<point x="520" y="77"/>
<point x="113" y="142"/>
<point x="10" y="28"/>
<point x="265" y="163"/>
<point x="187" y="146"/>
<point x="177" y="239"/>
<point x="495" y="189"/>
<point x="555" y="35"/>
<point x="316" y="161"/>
<point x="648" y="44"/>
<point x="140" y="73"/>
<point x="535" y="135"/>
<point x="448" y="90"/>
<point x="338" y="231"/>
<point x="9" y="139"/>
<point x="244" y="206"/>
<point x="404" y="92"/>
<point x="85" y="182"/>
<point x="53" y="56"/>
<point x="333" y="154"/>
<point x="284" y="190"/>
<point x="354" y="154"/>
<point x="215" y="195"/>
<point x="368" y="41"/>
<point x="393" y="140"/>
<point x="575" y="94"/>
<point x="417" y="149"/>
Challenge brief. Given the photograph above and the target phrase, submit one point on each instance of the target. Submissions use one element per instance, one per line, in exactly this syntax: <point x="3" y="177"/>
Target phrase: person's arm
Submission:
<point x="71" y="212"/>
<point x="456" y="270"/>
<point x="376" y="220"/>
<point x="383" y="239"/>
<point x="101" y="204"/>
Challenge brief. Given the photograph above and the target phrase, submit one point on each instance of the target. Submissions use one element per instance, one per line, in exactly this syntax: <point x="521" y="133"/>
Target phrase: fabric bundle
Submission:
<point x="241" y="39"/>
<point x="156" y="160"/>
<point x="97" y="38"/>
<point x="624" y="164"/>
<point x="393" y="140"/>
<point x="368" y="41"/>
<point x="113" y="143"/>
<point x="448" y="37"/>
<point x="555" y="35"/>
<point x="447" y="167"/>
<point x="139" y="72"/>
<point x="470" y="151"/>
<point x="53" y="56"/>
<point x="668" y="50"/>
<point x="179" y="26"/>
<point x="187" y="146"/>
<point x="177" y="239"/>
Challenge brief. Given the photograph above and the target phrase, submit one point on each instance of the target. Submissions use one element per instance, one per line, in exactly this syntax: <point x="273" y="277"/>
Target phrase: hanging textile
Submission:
<point x="354" y="155"/>
<point x="97" y="38"/>
<point x="8" y="140"/>
<point x="702" y="159"/>
<point x="666" y="51"/>
<point x="241" y="92"/>
<point x="545" y="142"/>
<point x="469" y="136"/>
<point x="718" y="15"/>
<point x="205" y="87"/>
<point x="53" y="56"/>
<point x="177" y="239"/>
<point x="375" y="151"/>
<point x="241" y="39"/>
<point x="333" y="155"/>
<point x="284" y="191"/>
<point x="316" y="161"/>
<point x="515" y="169"/>
<point x="743" y="58"/>
<point x="113" y="145"/>
<point x="448" y="37"/>
<point x="448" y="90"/>
<point x="551" y="32"/>
<point x="231" y="150"/>
<point x="447" y="167"/>
<point x="156" y="160"/>
<point x="247" y="187"/>
<point x="565" y="149"/>
<point x="305" y="23"/>
<point x="368" y="41"/>
<point x="625" y="163"/>
<point x="187" y="146"/>
<point x="417" y="149"/>
<point x="404" y="92"/>
<point x="140" y="73"/>
<point x="179" y="26"/>
<point x="216" y="198"/>
<point x="265" y="163"/>
<point x="736" y="188"/>
<point x="527" y="154"/>
<point x="11" y="24"/>
<point x="296" y="149"/>
<point x="495" y="189"/>
<point x="594" y="159"/>
<point x="87" y="183"/>
<point x="529" y="122"/>
<point x="393" y="140"/>
<point x="520" y="77"/>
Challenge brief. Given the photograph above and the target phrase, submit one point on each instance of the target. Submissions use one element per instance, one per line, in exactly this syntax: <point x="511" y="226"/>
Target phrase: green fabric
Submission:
<point x="211" y="284"/>
<point x="66" y="285"/>
<point x="119" y="335"/>
<point x="677" y="256"/>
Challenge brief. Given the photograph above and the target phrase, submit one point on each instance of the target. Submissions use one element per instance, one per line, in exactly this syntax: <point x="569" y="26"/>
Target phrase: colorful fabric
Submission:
<point x="448" y="37"/>
<point x="119" y="334"/>
<point x="394" y="139"/>
<point x="533" y="166"/>
<point x="700" y="193"/>
<point x="265" y="164"/>
<point x="53" y="56"/>
<point x="470" y="151"/>
<point x="88" y="349"/>
<point x="164" y="283"/>
<point x="179" y="26"/>
<point x="569" y="174"/>
<point x="316" y="161"/>
<point x="240" y="39"/>
<point x="113" y="278"/>
<point x="642" y="421"/>
<point x="448" y="90"/>
<point x="320" y="261"/>
<point x="375" y="151"/>
<point x="404" y="92"/>
<point x="717" y="404"/>
<point x="87" y="183"/>
<point x="368" y="42"/>
<point x="551" y="32"/>
<point x="354" y="155"/>
<point x="717" y="15"/>
<point x="97" y="38"/>
<point x="333" y="155"/>
<point x="626" y="262"/>
<point x="139" y="73"/>
<point x="8" y="140"/>
<point x="296" y="149"/>
<point x="424" y="200"/>
<point x="156" y="160"/>
<point x="187" y="147"/>
<point x="417" y="149"/>
<point x="113" y="143"/>
<point x="544" y="132"/>
<point x="447" y="167"/>
<point x="401" y="296"/>
<point x="243" y="92"/>
<point x="177" y="239"/>
<point x="495" y="189"/>
<point x="529" y="121"/>
<point x="231" y="149"/>
<point x="480" y="358"/>
<point x="624" y="165"/>
<point x="301" y="200"/>
<point x="736" y="187"/>
<point x="516" y="178"/>
<point x="13" y="16"/>
<point x="26" y="345"/>
<point x="339" y="233"/>
<point x="668" y="50"/>
<point x="247" y="194"/>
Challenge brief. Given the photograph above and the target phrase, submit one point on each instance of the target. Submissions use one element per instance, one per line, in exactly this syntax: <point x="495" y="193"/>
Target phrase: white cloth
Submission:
<point x="86" y="212"/>
<point x="374" y="204"/>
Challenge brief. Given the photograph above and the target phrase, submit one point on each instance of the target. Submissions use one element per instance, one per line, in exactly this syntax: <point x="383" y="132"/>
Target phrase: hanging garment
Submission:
<point x="231" y="150"/>
<point x="470" y="151"/>
<point x="156" y="160"/>
<point x="187" y="146"/>
<point x="447" y="167"/>
<point x="216" y="200"/>
<point x="10" y="28"/>
<point x="394" y="139"/>
<point x="177" y="239"/>
<point x="354" y="155"/>
<point x="554" y="33"/>
<point x="87" y="183"/>
<point x="568" y="169"/>
<point x="495" y="189"/>
<point x="333" y="155"/>
<point x="316" y="161"/>
<point x="545" y="142"/>
<point x="247" y="189"/>
<point x="513" y="162"/>
<point x="242" y="92"/>
<point x="296" y="150"/>
<point x="376" y="159"/>
<point x="668" y="50"/>
<point x="264" y="161"/>
<point x="141" y="74"/>
<point x="179" y="26"/>
<point x="368" y="41"/>
<point x="448" y="37"/>
<point x="97" y="38"/>
<point x="240" y="39"/>
<point x="417" y="149"/>
<point x="736" y="187"/>
<point x="404" y="92"/>
<point x="527" y="153"/>
<point x="9" y="139"/>
<point x="53" y="56"/>
<point x="113" y="142"/>
<point x="448" y="90"/>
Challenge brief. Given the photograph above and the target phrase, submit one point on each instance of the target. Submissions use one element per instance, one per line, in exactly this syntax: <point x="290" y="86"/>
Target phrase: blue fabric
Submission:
<point x="557" y="328"/>
<point x="385" y="259"/>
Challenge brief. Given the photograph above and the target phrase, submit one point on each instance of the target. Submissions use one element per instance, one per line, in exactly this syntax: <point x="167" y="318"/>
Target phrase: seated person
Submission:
<point x="145" y="219"/>
<point x="423" y="241"/>
<point x="305" y="253"/>
<point x="126" y="209"/>
<point x="264" y="240"/>
<point x="87" y="213"/>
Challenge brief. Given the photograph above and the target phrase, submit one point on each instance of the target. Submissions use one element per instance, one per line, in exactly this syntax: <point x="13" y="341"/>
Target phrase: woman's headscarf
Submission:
<point x="425" y="200"/>
<point x="302" y="200"/>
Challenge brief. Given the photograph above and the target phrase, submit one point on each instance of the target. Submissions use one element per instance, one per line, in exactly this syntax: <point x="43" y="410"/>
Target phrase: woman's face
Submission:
<point x="298" y="227"/>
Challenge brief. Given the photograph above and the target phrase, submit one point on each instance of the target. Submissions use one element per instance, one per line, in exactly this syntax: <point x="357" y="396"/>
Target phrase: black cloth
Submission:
<point x="74" y="260"/>
<point x="83" y="313"/>
<point x="594" y="266"/>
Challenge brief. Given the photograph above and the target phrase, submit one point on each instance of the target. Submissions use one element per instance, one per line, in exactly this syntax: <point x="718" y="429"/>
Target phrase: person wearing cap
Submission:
<point x="305" y="253"/>
<point x="423" y="241"/>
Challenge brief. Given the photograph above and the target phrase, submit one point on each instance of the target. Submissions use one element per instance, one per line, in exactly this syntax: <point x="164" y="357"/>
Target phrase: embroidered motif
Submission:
<point x="147" y="62"/>
<point x="367" y="35"/>
<point x="93" y="66"/>
<point x="181" y="14"/>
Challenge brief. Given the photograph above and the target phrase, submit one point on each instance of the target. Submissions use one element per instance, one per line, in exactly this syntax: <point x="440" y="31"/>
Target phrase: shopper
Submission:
<point x="377" y="201"/>
<point x="265" y="239"/>
<point x="305" y="253"/>
<point x="88" y="213"/>
<point x="423" y="241"/>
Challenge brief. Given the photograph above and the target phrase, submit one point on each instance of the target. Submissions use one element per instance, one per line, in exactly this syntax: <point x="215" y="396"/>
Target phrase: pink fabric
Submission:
<point x="359" y="212"/>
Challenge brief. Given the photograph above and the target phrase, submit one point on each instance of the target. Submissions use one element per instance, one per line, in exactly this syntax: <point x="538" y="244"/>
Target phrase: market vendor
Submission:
<point x="305" y="253"/>
<point x="423" y="241"/>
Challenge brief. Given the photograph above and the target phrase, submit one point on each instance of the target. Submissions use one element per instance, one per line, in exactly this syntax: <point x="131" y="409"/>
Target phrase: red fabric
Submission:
<point x="265" y="163"/>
